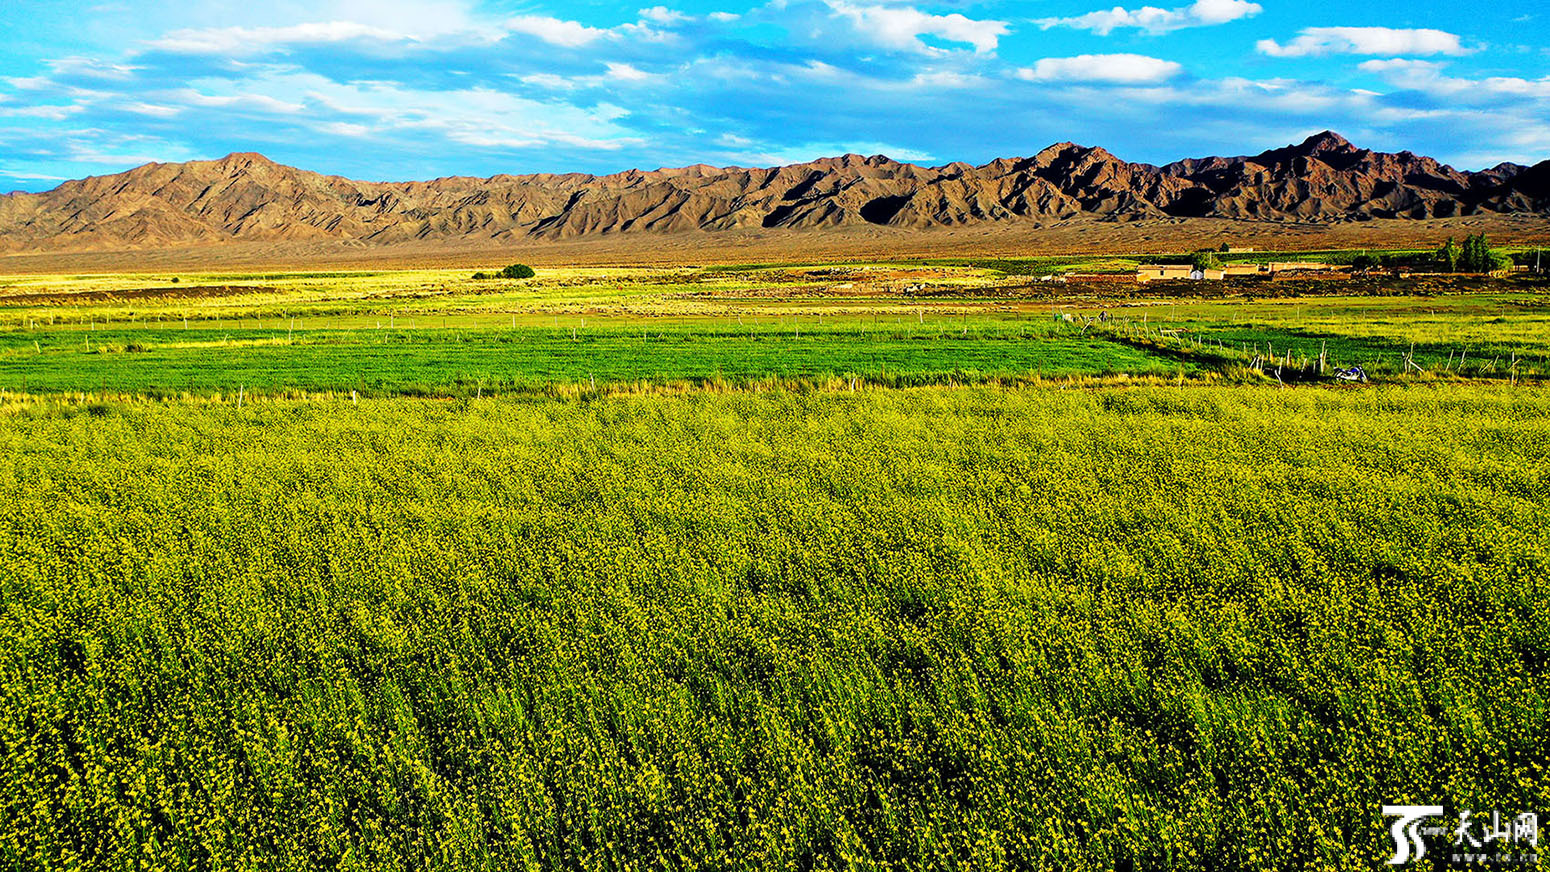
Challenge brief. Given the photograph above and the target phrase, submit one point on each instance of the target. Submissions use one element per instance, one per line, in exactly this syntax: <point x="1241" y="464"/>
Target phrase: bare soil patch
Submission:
<point x="171" y="292"/>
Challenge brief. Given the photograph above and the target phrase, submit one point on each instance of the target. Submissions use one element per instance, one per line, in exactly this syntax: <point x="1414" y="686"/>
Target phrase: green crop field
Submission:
<point x="876" y="566"/>
<point x="942" y="322"/>
<point x="472" y="360"/>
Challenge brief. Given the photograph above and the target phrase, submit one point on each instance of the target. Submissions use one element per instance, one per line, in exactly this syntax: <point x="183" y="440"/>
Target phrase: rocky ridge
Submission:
<point x="246" y="197"/>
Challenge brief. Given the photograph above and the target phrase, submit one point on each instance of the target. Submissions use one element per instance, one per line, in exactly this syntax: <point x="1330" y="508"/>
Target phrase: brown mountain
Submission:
<point x="248" y="197"/>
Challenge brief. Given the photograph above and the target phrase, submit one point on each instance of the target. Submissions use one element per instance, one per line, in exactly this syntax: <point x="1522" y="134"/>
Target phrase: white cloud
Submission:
<point x="48" y="112"/>
<point x="626" y="73"/>
<point x="1154" y="20"/>
<point x="256" y="102"/>
<point x="851" y="81"/>
<point x="548" y="80"/>
<point x="91" y="68"/>
<point x="31" y="83"/>
<point x="567" y="34"/>
<point x="663" y="15"/>
<point x="1127" y="69"/>
<point x="423" y="18"/>
<point x="945" y="79"/>
<point x="253" y="40"/>
<point x="1364" y="41"/>
<point x="901" y="27"/>
<point x="345" y="128"/>
<point x="1427" y="76"/>
<point x="724" y="17"/>
<point x="31" y="176"/>
<point x="615" y="73"/>
<point x="153" y="110"/>
<point x="479" y="117"/>
<point x="245" y="41"/>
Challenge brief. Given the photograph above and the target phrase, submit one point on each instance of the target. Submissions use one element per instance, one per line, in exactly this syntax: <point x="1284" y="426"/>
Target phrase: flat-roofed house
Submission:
<point x="1160" y="271"/>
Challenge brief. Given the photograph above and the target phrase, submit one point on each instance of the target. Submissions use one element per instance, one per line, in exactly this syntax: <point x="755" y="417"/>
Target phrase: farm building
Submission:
<point x="1156" y="272"/>
<point x="1301" y="266"/>
<point x="1177" y="272"/>
<point x="1099" y="277"/>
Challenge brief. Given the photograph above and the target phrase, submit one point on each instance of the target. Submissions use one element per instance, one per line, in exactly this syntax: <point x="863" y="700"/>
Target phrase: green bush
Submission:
<point x="518" y="271"/>
<point x="1206" y="260"/>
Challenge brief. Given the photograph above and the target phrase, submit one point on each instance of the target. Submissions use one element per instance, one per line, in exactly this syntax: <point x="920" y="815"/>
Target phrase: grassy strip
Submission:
<point x="396" y="361"/>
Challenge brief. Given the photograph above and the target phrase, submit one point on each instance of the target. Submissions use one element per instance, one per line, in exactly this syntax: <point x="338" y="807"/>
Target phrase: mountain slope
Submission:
<point x="248" y="197"/>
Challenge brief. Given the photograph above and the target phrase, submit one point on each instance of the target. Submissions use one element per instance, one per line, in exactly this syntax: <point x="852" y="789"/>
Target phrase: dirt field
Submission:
<point x="872" y="243"/>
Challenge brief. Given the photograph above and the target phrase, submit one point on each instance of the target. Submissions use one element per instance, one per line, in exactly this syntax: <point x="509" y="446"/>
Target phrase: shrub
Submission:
<point x="518" y="271"/>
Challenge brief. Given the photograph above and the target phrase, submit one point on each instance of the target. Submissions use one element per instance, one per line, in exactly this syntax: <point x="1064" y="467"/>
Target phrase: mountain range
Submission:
<point x="246" y="197"/>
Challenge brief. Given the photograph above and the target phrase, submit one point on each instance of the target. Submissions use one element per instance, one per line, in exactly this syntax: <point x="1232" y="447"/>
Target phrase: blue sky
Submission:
<point x="415" y="89"/>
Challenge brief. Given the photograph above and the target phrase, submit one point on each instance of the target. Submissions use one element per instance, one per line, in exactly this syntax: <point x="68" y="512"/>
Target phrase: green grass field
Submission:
<point x="800" y="568"/>
<point x="461" y="361"/>
<point x="947" y="322"/>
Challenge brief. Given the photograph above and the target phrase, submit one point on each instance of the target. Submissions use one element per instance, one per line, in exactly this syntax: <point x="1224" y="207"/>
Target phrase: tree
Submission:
<point x="1204" y="260"/>
<point x="518" y="271"/>
<point x="1449" y="255"/>
<point x="1477" y="256"/>
<point x="1366" y="261"/>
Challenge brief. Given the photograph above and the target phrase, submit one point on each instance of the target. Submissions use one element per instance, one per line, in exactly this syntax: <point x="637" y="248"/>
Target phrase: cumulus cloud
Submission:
<point x="1124" y="69"/>
<point x="1428" y="77"/>
<point x="1364" y="41"/>
<point x="662" y="15"/>
<point x="901" y="27"/>
<point x="555" y="31"/>
<point x="1154" y="20"/>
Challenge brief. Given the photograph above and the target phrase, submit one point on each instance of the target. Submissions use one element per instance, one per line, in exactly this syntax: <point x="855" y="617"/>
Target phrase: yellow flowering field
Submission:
<point x="942" y="628"/>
